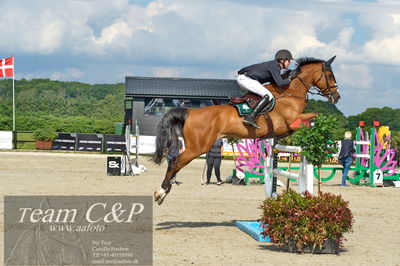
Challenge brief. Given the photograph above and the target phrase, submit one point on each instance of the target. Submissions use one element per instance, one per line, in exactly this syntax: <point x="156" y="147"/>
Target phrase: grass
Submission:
<point x="28" y="142"/>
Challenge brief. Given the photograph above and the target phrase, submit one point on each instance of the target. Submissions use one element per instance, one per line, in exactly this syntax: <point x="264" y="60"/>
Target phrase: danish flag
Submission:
<point x="7" y="67"/>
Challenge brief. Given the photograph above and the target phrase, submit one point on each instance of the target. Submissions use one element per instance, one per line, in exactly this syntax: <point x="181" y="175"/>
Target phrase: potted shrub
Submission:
<point x="307" y="223"/>
<point x="44" y="138"/>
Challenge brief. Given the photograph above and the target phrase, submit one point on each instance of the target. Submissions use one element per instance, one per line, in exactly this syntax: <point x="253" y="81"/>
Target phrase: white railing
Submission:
<point x="305" y="178"/>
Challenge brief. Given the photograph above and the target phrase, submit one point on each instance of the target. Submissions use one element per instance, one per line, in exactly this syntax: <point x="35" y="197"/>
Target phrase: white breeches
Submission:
<point x="253" y="86"/>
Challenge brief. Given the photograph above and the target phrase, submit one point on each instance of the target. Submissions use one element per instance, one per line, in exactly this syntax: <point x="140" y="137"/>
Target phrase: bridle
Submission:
<point x="327" y="92"/>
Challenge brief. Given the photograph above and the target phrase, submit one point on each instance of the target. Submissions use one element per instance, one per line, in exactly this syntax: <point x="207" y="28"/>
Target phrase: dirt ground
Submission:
<point x="195" y="224"/>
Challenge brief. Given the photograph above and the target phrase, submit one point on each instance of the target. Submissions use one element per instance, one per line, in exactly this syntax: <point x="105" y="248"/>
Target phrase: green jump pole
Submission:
<point x="372" y="166"/>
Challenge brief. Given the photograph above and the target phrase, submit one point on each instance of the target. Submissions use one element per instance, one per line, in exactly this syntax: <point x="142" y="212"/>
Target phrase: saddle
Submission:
<point x="250" y="98"/>
<point x="246" y="103"/>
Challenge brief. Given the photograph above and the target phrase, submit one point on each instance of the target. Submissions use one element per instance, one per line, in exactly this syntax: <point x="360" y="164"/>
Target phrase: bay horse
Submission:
<point x="201" y="127"/>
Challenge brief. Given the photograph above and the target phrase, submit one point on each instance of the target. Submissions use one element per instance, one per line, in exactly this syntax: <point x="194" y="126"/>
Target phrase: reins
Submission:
<point x="310" y="86"/>
<point x="289" y="95"/>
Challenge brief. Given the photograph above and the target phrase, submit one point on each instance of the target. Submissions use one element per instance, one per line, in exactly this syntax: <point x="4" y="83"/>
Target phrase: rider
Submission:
<point x="252" y="77"/>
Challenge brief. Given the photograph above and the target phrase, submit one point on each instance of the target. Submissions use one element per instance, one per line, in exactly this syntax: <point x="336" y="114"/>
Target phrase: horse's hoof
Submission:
<point x="157" y="195"/>
<point x="160" y="195"/>
<point x="160" y="201"/>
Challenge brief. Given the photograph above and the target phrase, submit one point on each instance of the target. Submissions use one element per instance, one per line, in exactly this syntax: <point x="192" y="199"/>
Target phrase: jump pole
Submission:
<point x="305" y="177"/>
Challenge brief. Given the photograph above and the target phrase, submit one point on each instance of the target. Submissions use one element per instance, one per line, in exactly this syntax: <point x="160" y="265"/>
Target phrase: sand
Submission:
<point x="195" y="224"/>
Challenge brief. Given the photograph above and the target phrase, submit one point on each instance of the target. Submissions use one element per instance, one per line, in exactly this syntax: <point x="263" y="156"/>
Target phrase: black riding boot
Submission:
<point x="250" y="119"/>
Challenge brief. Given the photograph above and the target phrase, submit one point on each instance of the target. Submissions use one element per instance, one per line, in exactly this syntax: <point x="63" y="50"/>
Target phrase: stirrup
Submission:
<point x="250" y="122"/>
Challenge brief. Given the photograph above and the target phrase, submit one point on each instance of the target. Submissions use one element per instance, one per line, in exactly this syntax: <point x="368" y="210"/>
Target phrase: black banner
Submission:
<point x="113" y="165"/>
<point x="115" y="143"/>
<point x="65" y="141"/>
<point x="90" y="142"/>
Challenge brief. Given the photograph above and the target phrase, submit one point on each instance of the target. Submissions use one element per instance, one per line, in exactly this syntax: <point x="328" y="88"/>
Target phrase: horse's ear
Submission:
<point x="329" y="62"/>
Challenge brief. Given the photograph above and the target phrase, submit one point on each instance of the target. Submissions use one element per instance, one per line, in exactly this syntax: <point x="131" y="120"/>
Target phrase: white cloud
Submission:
<point x="384" y="51"/>
<point x="32" y="33"/>
<point x="166" y="72"/>
<point x="383" y="48"/>
<point x="391" y="2"/>
<point x="61" y="74"/>
<point x="67" y="74"/>
<point x="113" y="32"/>
<point x="344" y="37"/>
<point x="354" y="75"/>
<point x="191" y="31"/>
<point x="171" y="30"/>
<point x="335" y="1"/>
<point x="208" y="38"/>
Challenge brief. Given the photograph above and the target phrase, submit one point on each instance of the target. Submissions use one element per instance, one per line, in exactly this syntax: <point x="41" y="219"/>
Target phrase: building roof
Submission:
<point x="181" y="87"/>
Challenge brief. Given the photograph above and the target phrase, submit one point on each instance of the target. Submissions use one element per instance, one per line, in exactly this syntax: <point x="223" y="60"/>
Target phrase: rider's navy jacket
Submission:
<point x="269" y="71"/>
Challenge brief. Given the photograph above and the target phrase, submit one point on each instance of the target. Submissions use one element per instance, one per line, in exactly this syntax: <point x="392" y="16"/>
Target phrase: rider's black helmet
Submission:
<point x="283" y="54"/>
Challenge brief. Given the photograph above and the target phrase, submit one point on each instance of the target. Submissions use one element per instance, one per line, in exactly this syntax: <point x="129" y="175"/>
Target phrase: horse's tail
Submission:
<point x="169" y="129"/>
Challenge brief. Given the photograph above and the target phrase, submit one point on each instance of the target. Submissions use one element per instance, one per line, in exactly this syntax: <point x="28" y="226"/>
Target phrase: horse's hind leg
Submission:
<point x="160" y="195"/>
<point x="183" y="159"/>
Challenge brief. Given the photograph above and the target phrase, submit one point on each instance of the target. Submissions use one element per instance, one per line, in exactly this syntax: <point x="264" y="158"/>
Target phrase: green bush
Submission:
<point x="45" y="133"/>
<point x="5" y="122"/>
<point x="72" y="124"/>
<point x="306" y="219"/>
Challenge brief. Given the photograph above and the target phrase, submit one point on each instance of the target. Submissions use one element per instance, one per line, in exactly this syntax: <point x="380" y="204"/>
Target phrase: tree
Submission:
<point x="316" y="142"/>
<point x="323" y="107"/>
<point x="387" y="116"/>
<point x="65" y="106"/>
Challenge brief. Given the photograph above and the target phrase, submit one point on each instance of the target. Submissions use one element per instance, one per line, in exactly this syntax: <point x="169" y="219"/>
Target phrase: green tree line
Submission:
<point x="86" y="108"/>
<point x="64" y="106"/>
<point x="386" y="116"/>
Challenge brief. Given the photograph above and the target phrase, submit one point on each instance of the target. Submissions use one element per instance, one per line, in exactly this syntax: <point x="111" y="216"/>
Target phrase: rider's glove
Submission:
<point x="292" y="75"/>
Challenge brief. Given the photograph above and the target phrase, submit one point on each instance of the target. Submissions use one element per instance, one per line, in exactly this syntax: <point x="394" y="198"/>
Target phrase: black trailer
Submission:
<point x="149" y="98"/>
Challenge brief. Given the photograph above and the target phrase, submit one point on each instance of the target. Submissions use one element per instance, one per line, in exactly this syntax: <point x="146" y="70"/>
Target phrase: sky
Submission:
<point x="102" y="41"/>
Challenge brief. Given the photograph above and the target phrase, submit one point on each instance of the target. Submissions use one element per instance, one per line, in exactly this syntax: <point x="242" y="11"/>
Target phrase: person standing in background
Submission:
<point x="346" y="155"/>
<point x="214" y="157"/>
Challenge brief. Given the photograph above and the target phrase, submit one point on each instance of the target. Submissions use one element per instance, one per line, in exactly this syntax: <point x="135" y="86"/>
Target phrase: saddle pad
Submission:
<point x="244" y="108"/>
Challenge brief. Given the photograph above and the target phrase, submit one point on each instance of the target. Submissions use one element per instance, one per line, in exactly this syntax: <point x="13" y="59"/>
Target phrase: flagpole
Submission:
<point x="13" y="84"/>
<point x="13" y="104"/>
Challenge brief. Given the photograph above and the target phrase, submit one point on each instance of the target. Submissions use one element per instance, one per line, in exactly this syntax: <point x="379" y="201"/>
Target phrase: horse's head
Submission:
<point x="327" y="83"/>
<point x="319" y="75"/>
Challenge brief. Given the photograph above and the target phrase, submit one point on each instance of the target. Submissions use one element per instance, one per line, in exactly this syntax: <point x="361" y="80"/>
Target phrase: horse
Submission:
<point x="201" y="127"/>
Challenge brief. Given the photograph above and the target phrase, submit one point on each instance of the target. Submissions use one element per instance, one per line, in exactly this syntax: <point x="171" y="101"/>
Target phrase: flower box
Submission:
<point x="43" y="144"/>
<point x="330" y="246"/>
<point x="44" y="137"/>
<point x="305" y="223"/>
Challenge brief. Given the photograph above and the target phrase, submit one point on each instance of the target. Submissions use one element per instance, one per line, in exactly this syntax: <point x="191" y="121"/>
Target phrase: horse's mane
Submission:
<point x="306" y="60"/>
<point x="300" y="62"/>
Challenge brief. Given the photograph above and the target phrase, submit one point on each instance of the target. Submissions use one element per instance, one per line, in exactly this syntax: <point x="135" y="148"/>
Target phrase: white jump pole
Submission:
<point x="305" y="178"/>
<point x="268" y="164"/>
<point x="306" y="181"/>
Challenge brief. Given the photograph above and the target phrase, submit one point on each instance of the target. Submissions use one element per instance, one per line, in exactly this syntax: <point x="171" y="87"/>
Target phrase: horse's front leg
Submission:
<point x="307" y="116"/>
<point x="301" y="119"/>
